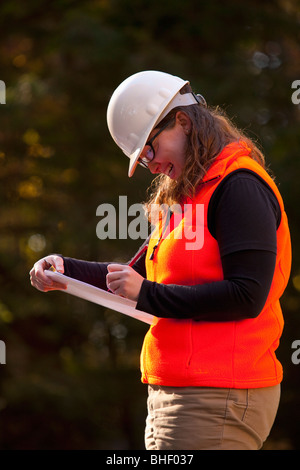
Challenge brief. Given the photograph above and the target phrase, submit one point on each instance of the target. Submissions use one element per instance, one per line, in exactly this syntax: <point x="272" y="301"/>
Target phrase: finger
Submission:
<point x="38" y="278"/>
<point x="113" y="280"/>
<point x="57" y="286"/>
<point x="117" y="288"/>
<point x="57" y="262"/>
<point x="115" y="267"/>
<point x="110" y="277"/>
<point x="53" y="260"/>
<point x="114" y="274"/>
<point x="113" y="286"/>
<point x="39" y="268"/>
<point x="41" y="286"/>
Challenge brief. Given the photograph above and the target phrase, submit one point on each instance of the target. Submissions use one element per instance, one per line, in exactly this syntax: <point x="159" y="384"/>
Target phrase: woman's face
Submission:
<point x="170" y="148"/>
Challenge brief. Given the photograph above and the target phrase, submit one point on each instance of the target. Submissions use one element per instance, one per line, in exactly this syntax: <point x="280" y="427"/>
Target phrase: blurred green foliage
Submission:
<point x="71" y="378"/>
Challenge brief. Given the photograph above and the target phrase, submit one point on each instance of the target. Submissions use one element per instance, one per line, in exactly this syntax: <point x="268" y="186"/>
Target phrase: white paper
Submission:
<point x="100" y="297"/>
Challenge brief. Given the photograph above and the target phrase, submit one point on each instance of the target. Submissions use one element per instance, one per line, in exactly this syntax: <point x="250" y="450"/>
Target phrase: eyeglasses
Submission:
<point x="148" y="153"/>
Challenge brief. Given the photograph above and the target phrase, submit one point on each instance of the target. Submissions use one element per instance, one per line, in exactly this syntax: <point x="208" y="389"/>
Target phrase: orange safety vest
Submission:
<point x="235" y="354"/>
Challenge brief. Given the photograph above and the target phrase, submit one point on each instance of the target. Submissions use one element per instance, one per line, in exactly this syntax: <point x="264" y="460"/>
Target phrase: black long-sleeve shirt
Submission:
<point x="243" y="217"/>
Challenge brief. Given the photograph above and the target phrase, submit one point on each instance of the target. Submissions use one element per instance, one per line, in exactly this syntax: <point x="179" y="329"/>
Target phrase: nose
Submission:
<point x="154" y="167"/>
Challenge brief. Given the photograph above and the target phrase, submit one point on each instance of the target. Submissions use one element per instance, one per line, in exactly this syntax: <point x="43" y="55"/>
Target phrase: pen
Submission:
<point x="134" y="260"/>
<point x="138" y="255"/>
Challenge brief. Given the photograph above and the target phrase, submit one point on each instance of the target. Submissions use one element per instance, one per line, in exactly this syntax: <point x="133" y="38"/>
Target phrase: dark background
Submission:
<point x="71" y="378"/>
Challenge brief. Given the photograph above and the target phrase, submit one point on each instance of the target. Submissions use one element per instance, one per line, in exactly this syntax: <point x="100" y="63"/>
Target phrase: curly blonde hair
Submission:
<point x="211" y="131"/>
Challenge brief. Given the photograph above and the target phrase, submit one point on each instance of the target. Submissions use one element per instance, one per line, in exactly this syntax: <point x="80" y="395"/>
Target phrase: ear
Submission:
<point x="184" y="121"/>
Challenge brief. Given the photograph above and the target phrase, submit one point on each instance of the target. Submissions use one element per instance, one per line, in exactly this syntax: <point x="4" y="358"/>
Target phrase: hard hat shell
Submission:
<point x="138" y="104"/>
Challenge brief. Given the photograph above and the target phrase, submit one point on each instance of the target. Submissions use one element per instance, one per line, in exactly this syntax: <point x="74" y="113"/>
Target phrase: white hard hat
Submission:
<point x="138" y="104"/>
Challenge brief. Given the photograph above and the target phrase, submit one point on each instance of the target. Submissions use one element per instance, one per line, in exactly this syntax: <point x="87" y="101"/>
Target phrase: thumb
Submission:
<point x="58" y="263"/>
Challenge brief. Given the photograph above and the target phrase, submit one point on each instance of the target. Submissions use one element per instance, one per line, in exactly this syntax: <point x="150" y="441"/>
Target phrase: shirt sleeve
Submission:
<point x="243" y="217"/>
<point x="242" y="213"/>
<point x="242" y="293"/>
<point x="90" y="272"/>
<point x="94" y="273"/>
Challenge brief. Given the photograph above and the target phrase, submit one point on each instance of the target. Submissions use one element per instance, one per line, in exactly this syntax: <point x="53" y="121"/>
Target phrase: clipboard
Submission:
<point x="99" y="296"/>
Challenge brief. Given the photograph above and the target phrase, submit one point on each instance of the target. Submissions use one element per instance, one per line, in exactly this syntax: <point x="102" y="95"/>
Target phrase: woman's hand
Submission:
<point x="40" y="280"/>
<point x="124" y="281"/>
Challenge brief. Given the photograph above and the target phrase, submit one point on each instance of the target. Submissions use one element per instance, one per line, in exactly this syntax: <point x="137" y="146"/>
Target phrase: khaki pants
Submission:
<point x="203" y="418"/>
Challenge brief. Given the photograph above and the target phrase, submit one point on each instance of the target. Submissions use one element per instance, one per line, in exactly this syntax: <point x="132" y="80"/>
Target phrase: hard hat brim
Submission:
<point x="179" y="100"/>
<point x="134" y="160"/>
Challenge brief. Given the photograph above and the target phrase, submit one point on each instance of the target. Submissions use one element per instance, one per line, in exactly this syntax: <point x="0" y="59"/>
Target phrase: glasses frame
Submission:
<point x="149" y="143"/>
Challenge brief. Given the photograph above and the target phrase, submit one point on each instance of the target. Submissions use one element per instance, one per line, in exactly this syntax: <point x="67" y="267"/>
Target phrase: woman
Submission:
<point x="209" y="356"/>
